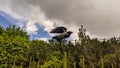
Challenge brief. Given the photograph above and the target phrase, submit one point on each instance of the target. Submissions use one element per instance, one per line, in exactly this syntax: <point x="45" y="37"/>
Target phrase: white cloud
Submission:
<point x="28" y="13"/>
<point x="48" y="25"/>
<point x="100" y="17"/>
<point x="31" y="28"/>
<point x="44" y="39"/>
<point x="6" y="6"/>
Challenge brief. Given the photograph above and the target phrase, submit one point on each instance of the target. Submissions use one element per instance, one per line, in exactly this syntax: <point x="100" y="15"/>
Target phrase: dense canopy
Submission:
<point x="18" y="51"/>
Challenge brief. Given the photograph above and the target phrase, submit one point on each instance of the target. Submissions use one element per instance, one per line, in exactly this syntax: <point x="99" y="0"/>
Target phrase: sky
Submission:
<point x="101" y="18"/>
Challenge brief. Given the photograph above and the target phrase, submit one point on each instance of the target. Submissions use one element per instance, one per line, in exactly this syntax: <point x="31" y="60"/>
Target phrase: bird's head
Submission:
<point x="69" y="32"/>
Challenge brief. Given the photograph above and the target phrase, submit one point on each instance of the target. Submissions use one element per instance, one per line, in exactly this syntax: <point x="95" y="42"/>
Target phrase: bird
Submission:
<point x="62" y="33"/>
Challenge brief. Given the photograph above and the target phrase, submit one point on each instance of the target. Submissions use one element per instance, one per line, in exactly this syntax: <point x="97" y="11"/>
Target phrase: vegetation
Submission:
<point x="18" y="51"/>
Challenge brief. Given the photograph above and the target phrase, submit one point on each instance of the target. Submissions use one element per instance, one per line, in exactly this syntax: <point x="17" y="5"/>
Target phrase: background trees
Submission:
<point x="14" y="43"/>
<point x="18" y="51"/>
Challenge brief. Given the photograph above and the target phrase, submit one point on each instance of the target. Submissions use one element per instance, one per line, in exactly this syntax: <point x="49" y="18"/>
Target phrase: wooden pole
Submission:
<point x="102" y="63"/>
<point x="65" y="60"/>
<point x="61" y="48"/>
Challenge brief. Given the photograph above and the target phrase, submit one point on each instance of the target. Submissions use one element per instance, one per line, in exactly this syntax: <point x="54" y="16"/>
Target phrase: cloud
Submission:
<point x="31" y="27"/>
<point x="29" y="14"/>
<point x="44" y="39"/>
<point x="94" y="14"/>
<point x="100" y="17"/>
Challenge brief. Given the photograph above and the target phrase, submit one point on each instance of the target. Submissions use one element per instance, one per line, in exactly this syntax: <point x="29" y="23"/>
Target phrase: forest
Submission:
<point x="18" y="51"/>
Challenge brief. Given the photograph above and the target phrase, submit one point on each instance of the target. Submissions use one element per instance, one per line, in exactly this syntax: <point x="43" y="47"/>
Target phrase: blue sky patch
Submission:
<point x="5" y="22"/>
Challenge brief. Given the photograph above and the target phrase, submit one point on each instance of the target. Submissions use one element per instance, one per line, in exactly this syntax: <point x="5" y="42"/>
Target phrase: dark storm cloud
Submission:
<point x="100" y="17"/>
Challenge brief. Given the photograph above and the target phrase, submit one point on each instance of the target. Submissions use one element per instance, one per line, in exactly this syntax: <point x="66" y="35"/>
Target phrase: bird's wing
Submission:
<point x="60" y="36"/>
<point x="59" y="30"/>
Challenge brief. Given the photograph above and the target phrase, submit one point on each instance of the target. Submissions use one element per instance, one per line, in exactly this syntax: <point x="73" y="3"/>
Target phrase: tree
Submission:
<point x="83" y="38"/>
<point x="1" y="30"/>
<point x="13" y="43"/>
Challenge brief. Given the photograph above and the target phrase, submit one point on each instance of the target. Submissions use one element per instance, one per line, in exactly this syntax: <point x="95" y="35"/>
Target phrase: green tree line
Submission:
<point x="18" y="51"/>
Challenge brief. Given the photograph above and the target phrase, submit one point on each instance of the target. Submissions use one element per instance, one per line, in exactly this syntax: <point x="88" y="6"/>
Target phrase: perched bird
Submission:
<point x="62" y="33"/>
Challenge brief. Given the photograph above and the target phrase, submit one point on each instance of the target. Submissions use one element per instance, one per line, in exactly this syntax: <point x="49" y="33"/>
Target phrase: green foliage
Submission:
<point x="1" y="30"/>
<point x="12" y="45"/>
<point x="18" y="51"/>
<point x="53" y="63"/>
<point x="13" y="31"/>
